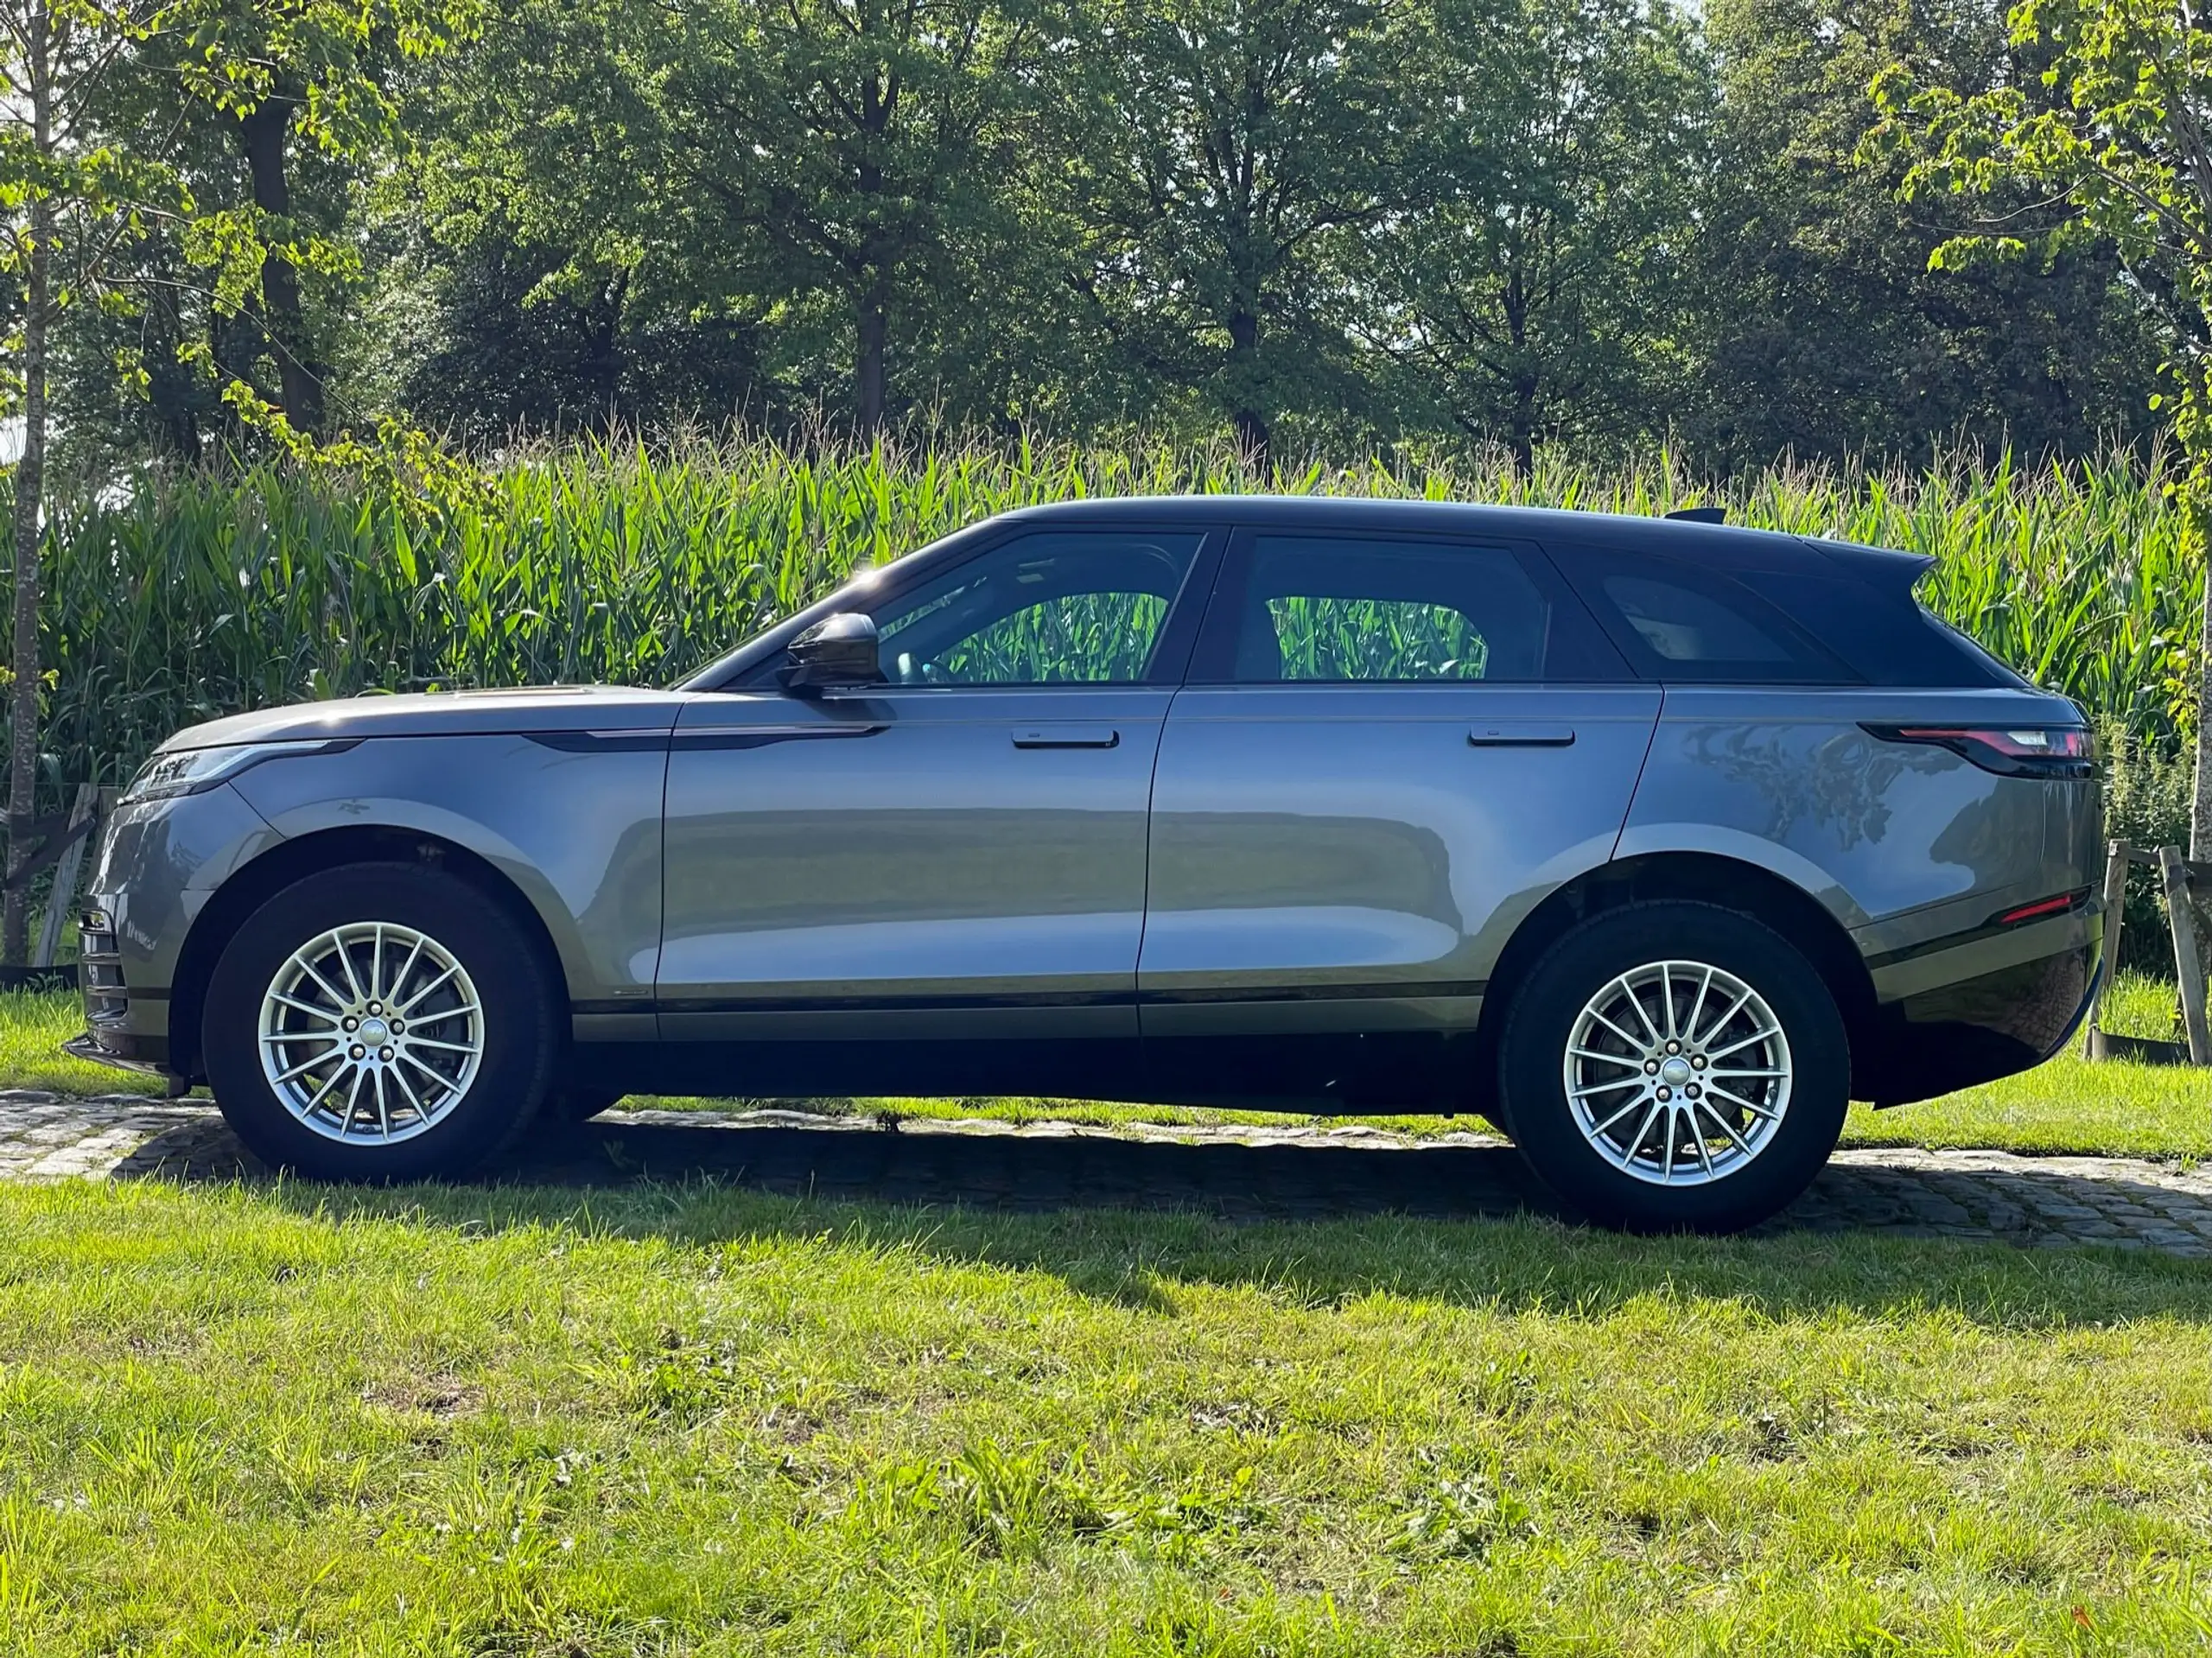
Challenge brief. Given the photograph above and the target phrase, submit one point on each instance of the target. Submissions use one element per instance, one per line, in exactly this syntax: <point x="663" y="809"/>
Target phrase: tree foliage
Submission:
<point x="1311" y="223"/>
<point x="2105" y="106"/>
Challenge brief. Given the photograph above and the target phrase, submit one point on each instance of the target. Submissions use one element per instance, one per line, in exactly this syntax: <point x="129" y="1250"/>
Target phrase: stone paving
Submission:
<point x="1301" y="1172"/>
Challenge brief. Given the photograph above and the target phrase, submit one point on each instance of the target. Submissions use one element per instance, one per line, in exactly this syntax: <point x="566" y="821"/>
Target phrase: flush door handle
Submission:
<point x="1066" y="737"/>
<point x="1510" y="733"/>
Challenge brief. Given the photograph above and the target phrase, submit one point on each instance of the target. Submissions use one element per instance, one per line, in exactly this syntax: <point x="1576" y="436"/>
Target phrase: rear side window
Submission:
<point x="1345" y="610"/>
<point x="1678" y="622"/>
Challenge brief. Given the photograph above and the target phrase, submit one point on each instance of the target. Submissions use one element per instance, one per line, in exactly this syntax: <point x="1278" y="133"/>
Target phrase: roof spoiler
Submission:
<point x="1701" y="514"/>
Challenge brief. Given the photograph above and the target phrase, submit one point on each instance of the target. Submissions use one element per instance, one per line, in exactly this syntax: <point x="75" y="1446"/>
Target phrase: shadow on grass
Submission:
<point x="1130" y="1220"/>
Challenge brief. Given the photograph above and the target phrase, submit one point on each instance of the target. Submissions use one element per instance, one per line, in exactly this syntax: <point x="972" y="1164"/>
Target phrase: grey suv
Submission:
<point x="1653" y="841"/>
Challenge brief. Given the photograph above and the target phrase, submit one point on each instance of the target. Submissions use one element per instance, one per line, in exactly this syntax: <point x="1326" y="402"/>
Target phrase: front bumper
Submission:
<point x="145" y="1056"/>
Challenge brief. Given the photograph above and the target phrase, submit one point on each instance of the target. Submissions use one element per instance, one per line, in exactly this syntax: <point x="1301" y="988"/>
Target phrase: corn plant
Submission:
<point x="189" y="595"/>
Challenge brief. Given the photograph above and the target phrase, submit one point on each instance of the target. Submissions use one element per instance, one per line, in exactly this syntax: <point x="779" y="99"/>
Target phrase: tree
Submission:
<point x="1223" y="157"/>
<point x="820" y="156"/>
<point x="100" y="95"/>
<point x="70" y="199"/>
<point x="1540" y="291"/>
<point x="1827" y="333"/>
<point x="274" y="78"/>
<point x="2108" y="106"/>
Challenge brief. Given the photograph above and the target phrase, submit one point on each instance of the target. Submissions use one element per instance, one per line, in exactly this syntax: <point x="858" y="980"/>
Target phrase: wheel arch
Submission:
<point x="253" y="884"/>
<point x="1698" y="877"/>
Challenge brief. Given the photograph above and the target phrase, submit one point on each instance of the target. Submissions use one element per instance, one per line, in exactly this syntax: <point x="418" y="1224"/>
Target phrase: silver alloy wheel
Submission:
<point x="1678" y="1073"/>
<point x="371" y="1034"/>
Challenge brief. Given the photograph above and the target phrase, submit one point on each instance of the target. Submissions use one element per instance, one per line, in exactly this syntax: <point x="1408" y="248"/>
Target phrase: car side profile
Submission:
<point x="1654" y="841"/>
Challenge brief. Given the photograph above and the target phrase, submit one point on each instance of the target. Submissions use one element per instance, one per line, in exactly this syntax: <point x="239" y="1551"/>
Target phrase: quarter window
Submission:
<point x="1685" y="623"/>
<point x="1679" y="625"/>
<point x="1077" y="607"/>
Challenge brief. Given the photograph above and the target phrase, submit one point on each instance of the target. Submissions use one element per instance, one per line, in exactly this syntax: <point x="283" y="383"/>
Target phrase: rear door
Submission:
<point x="957" y="852"/>
<point x="1390" y="748"/>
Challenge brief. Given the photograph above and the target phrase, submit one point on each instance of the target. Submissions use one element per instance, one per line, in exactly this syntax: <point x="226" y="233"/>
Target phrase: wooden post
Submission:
<point x="2188" y="969"/>
<point x="2115" y="912"/>
<point x="63" y="895"/>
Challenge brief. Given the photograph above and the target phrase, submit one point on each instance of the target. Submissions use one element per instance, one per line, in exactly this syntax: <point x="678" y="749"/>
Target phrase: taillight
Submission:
<point x="2008" y="751"/>
<point x="2060" y="904"/>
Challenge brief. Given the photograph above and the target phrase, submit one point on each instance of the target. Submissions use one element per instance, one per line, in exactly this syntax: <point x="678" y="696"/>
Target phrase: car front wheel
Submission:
<point x="379" y="1021"/>
<point x="1675" y="1066"/>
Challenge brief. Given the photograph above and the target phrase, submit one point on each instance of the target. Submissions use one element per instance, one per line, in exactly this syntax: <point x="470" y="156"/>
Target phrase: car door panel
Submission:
<point x="1392" y="747"/>
<point x="1354" y="857"/>
<point x="958" y="851"/>
<point x="908" y="853"/>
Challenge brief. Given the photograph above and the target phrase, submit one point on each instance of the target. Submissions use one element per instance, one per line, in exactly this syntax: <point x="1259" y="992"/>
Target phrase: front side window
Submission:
<point x="1339" y="610"/>
<point x="1057" y="608"/>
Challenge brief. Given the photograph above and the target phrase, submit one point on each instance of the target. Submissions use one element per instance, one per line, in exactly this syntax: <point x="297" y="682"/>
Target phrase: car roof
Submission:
<point x="1719" y="546"/>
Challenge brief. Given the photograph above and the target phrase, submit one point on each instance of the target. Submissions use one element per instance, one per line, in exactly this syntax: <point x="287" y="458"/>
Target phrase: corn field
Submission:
<point x="189" y="595"/>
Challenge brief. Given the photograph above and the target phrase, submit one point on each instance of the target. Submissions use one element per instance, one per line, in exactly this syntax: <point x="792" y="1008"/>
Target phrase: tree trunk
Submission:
<point x="30" y="487"/>
<point x="2200" y="814"/>
<point x="1523" y="436"/>
<point x="868" y="362"/>
<point x="261" y="134"/>
<point x="1250" y="420"/>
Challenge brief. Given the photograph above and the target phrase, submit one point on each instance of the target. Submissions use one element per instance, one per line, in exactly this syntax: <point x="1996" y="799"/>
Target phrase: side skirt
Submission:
<point x="1320" y="1074"/>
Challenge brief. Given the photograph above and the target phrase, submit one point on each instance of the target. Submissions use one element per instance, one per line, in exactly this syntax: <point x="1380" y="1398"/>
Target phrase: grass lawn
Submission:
<point x="2068" y="1105"/>
<point x="664" y="1421"/>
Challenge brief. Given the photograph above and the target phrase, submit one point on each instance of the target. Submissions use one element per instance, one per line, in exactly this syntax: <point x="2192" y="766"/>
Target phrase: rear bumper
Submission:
<point x="1982" y="1008"/>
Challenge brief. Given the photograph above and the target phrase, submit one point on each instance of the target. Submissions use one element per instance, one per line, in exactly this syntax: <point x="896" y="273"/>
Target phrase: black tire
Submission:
<point x="519" y="1029"/>
<point x="1746" y="1189"/>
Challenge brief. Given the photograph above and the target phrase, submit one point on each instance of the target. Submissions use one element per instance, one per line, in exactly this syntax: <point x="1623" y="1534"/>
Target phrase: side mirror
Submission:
<point x="837" y="651"/>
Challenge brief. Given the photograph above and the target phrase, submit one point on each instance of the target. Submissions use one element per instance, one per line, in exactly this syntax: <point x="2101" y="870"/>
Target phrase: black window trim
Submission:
<point x="1179" y="628"/>
<point x="1211" y="664"/>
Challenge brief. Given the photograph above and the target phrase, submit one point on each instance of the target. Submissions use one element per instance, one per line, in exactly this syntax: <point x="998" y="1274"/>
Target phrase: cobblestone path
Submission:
<point x="1249" y="1174"/>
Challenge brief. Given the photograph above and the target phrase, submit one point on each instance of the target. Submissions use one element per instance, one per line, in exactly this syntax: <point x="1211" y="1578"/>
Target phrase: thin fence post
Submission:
<point x="2115" y="913"/>
<point x="2188" y="969"/>
<point x="62" y="895"/>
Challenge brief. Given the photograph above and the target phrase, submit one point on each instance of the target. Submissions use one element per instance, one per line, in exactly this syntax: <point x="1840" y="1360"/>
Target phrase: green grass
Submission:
<point x="33" y="1027"/>
<point x="492" y="1422"/>
<point x="673" y="1421"/>
<point x="2067" y="1105"/>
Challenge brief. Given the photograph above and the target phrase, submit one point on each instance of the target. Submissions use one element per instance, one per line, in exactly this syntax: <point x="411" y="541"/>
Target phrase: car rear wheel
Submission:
<point x="379" y="1021"/>
<point x="1675" y="1067"/>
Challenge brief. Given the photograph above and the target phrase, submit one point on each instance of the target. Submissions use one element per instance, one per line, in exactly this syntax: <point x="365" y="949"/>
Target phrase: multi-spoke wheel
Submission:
<point x="1678" y="1072"/>
<point x="371" y="1032"/>
<point x="1675" y="1065"/>
<point x="380" y="1020"/>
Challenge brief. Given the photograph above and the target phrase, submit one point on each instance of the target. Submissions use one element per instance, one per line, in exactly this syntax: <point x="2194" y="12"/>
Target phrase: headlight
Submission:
<point x="190" y="770"/>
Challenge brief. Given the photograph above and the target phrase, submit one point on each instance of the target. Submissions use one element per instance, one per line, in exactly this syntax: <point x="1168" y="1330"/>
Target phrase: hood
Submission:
<point x="445" y="714"/>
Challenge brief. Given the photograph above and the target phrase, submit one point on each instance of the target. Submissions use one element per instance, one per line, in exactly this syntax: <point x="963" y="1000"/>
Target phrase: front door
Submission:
<point x="1390" y="749"/>
<point x="958" y="852"/>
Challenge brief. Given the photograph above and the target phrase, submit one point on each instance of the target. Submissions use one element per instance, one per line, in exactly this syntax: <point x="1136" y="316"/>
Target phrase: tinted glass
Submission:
<point x="1679" y="621"/>
<point x="1679" y="626"/>
<point x="1337" y="610"/>
<point x="1883" y="632"/>
<point x="1071" y="607"/>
